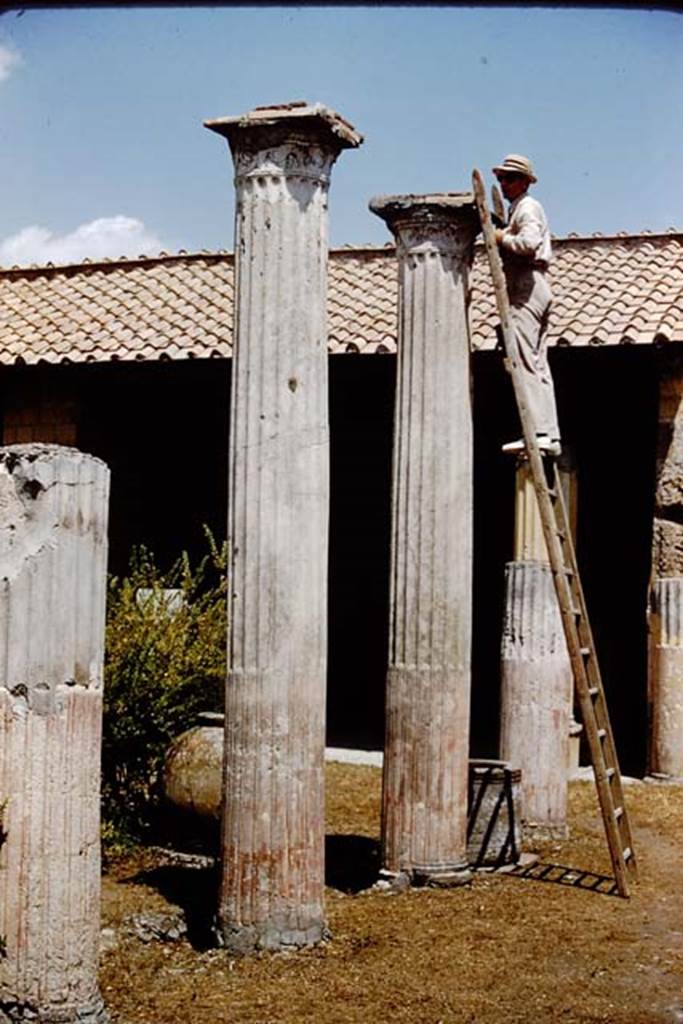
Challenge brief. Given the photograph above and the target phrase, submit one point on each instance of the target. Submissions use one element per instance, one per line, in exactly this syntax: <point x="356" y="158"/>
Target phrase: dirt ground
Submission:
<point x="505" y="950"/>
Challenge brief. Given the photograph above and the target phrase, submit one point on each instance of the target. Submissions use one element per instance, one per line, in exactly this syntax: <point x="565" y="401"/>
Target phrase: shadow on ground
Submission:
<point x="351" y="865"/>
<point x="559" y="874"/>
<point x="194" y="890"/>
<point x="352" y="862"/>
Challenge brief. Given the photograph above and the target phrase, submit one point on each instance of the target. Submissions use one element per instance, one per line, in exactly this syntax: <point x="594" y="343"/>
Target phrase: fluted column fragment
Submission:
<point x="536" y="694"/>
<point x="53" y="560"/>
<point x="272" y="885"/>
<point x="424" y="802"/>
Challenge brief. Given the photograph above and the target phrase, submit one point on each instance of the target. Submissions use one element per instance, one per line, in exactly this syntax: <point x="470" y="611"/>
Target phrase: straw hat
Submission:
<point x="516" y="164"/>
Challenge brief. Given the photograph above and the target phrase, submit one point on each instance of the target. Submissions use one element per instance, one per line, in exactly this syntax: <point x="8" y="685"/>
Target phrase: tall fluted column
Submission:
<point x="272" y="886"/>
<point x="665" y="756"/>
<point x="424" y="803"/>
<point x="53" y="560"/>
<point x="536" y="676"/>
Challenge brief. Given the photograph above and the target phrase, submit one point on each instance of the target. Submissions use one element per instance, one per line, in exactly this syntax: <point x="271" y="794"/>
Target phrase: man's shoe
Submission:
<point x="514" y="447"/>
<point x="548" y="446"/>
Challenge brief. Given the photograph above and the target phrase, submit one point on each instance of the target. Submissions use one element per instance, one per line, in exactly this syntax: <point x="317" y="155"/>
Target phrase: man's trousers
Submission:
<point x="530" y="300"/>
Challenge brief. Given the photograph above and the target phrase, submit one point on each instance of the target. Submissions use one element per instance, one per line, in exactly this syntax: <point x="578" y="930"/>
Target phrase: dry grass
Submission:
<point x="505" y="949"/>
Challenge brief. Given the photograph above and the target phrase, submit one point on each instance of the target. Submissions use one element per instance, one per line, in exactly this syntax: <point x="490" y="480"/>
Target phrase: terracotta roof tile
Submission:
<point x="607" y="291"/>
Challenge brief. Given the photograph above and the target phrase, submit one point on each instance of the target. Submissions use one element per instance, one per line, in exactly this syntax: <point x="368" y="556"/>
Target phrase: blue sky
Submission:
<point x="102" y="149"/>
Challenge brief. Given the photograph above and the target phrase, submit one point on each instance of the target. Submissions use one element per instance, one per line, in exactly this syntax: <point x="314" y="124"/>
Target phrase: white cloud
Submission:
<point x="9" y="60"/>
<point x="98" y="239"/>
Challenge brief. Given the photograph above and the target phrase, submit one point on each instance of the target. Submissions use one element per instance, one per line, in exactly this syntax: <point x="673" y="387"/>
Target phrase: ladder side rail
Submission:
<point x="592" y="701"/>
<point x="569" y="557"/>
<point x="605" y="741"/>
<point x="596" y="689"/>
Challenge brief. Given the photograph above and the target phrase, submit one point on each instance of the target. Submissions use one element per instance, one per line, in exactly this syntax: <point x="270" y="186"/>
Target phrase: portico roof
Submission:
<point x="617" y="290"/>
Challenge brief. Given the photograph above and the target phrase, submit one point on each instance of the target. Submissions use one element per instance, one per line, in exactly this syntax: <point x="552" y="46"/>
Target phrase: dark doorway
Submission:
<point x="609" y="400"/>
<point x="162" y="428"/>
<point x="361" y="421"/>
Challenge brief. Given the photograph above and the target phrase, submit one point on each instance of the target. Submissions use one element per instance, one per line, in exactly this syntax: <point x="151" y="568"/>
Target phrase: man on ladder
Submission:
<point x="526" y="252"/>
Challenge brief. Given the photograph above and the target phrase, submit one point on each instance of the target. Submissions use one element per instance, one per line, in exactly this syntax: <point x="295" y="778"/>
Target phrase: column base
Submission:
<point x="440" y="877"/>
<point x="392" y="881"/>
<point x="18" y="1013"/>
<point x="245" y="939"/>
<point x="673" y="780"/>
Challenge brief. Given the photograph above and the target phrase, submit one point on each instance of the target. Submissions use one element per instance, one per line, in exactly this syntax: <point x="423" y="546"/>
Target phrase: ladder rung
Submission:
<point x="586" y="652"/>
<point x="627" y="853"/>
<point x="593" y="691"/>
<point x="552" y="494"/>
<point x="602" y="733"/>
<point x="609" y="772"/>
<point x="577" y="612"/>
<point x="618" y="811"/>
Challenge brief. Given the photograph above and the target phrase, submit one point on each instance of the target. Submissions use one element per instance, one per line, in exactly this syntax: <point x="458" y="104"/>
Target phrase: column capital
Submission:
<point x="444" y="222"/>
<point x="287" y="140"/>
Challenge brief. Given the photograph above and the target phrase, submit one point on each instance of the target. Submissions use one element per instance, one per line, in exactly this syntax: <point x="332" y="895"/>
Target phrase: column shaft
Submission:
<point x="424" y="802"/>
<point x="273" y="822"/>
<point x="53" y="552"/>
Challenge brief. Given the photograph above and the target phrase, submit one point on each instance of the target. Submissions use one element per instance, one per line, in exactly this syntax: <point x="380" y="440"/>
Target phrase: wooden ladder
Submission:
<point x="587" y="680"/>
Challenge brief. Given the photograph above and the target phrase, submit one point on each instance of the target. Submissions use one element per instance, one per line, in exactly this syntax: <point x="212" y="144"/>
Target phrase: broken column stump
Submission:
<point x="272" y="884"/>
<point x="665" y="698"/>
<point x="53" y="560"/>
<point x="424" y="801"/>
<point x="536" y="675"/>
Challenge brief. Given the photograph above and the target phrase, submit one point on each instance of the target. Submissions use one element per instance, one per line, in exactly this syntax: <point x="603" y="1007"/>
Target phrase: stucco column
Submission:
<point x="272" y="886"/>
<point x="53" y="560"/>
<point x="665" y="755"/>
<point x="536" y="676"/>
<point x="424" y="802"/>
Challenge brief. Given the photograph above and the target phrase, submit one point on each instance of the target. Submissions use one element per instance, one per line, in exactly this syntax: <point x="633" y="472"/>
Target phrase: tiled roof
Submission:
<point x="168" y="307"/>
<point x="608" y="291"/>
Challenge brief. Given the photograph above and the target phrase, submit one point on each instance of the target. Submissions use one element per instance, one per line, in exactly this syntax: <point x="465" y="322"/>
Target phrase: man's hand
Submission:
<point x="499" y="236"/>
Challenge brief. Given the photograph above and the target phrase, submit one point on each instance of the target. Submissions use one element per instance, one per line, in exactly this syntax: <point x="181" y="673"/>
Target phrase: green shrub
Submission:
<point x="165" y="660"/>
